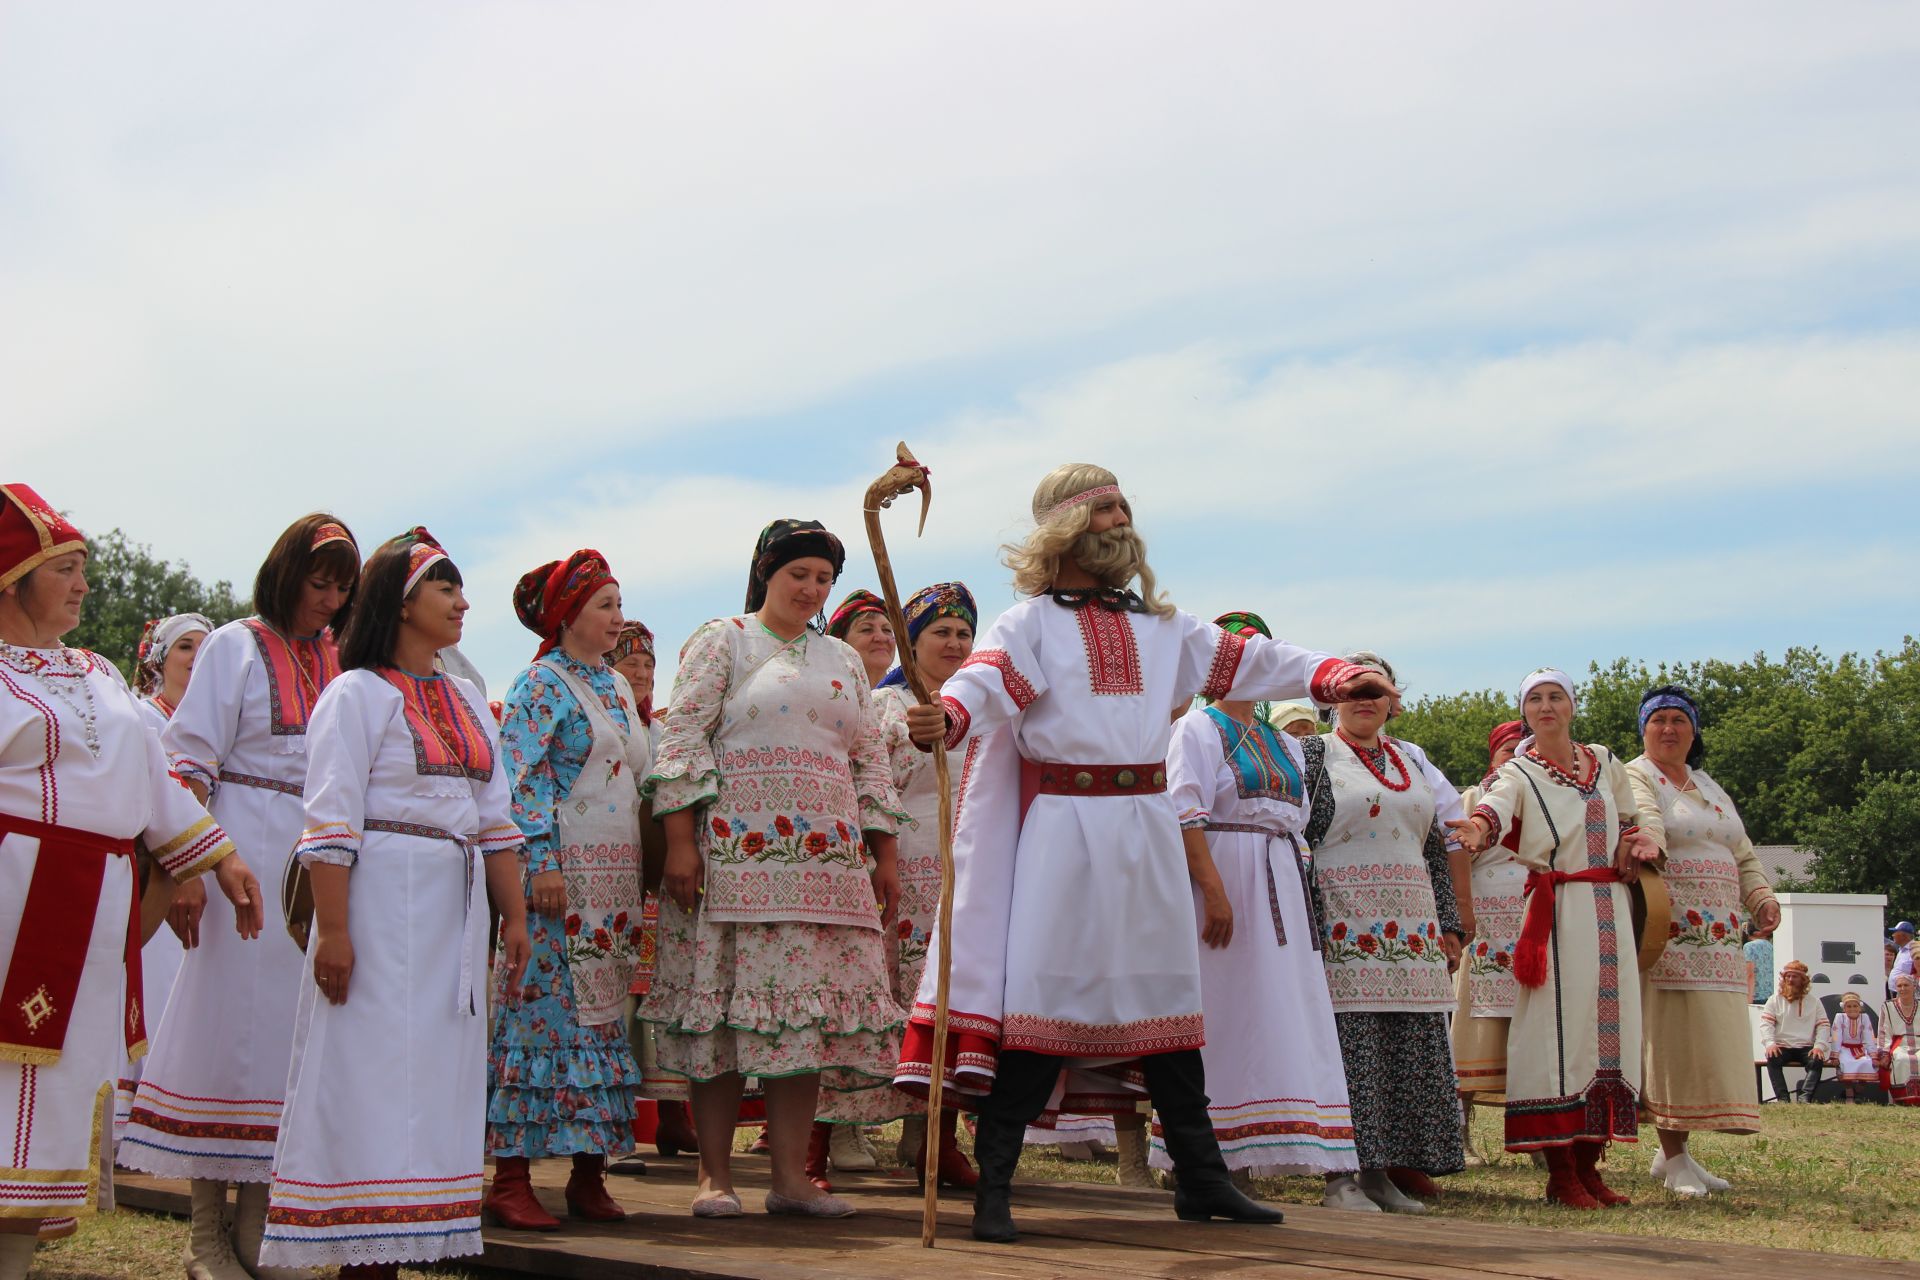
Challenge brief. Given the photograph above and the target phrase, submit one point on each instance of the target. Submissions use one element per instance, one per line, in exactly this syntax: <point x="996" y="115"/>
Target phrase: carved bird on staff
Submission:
<point x="903" y="478"/>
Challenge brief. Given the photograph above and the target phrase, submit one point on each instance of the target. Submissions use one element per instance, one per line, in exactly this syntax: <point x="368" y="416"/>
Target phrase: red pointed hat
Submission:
<point x="31" y="533"/>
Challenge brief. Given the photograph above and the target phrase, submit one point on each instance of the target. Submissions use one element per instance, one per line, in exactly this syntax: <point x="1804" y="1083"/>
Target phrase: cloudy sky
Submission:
<point x="1484" y="335"/>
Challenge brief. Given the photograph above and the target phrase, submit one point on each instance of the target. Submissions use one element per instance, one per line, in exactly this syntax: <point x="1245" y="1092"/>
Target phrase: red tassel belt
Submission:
<point x="1530" y="952"/>
<point x="56" y="926"/>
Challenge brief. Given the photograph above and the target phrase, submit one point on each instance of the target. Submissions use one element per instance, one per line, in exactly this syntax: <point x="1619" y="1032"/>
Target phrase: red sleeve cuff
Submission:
<point x="1330" y="675"/>
<point x="1493" y="820"/>
<point x="958" y="722"/>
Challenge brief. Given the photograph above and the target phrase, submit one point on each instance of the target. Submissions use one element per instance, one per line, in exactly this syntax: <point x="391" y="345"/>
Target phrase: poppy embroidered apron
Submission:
<point x="597" y="835"/>
<point x="1383" y="950"/>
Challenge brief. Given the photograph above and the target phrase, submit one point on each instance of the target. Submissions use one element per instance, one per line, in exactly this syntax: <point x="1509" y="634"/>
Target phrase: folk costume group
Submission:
<point x="1303" y="949"/>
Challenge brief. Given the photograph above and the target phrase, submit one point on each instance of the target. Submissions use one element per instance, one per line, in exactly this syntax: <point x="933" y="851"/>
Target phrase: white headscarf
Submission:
<point x="1545" y="675"/>
<point x="162" y="635"/>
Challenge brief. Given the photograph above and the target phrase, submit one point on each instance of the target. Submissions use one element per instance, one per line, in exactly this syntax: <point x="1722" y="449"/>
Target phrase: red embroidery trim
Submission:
<point x="1113" y="659"/>
<point x="1018" y="688"/>
<point x="1329" y="676"/>
<point x="958" y="721"/>
<point x="1226" y="662"/>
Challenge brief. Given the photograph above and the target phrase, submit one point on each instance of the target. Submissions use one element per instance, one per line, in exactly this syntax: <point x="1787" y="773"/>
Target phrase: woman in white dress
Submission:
<point x="164" y="664"/>
<point x="1573" y="1051"/>
<point x="208" y="1105"/>
<point x="1277" y="1094"/>
<point x="1900" y="1044"/>
<point x="82" y="777"/>
<point x="407" y="814"/>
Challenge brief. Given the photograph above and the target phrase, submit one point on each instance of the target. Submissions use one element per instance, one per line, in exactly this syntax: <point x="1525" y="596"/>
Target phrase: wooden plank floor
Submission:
<point x="1071" y="1231"/>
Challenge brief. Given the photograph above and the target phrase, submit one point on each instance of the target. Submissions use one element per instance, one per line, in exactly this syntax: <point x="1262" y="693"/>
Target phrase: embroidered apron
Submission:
<point x="1383" y="950"/>
<point x="782" y="839"/>
<point x="597" y="834"/>
<point x="1499" y="905"/>
<point x="1703" y="951"/>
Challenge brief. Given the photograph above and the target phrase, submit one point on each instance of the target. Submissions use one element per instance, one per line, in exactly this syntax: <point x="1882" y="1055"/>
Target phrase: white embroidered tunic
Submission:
<point x="1573" y="1050"/>
<point x="208" y="1104"/>
<point x="1073" y="919"/>
<point x="77" y="751"/>
<point x="381" y="1150"/>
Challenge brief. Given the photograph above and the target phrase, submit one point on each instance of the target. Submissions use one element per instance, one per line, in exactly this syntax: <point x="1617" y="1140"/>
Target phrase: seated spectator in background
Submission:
<point x="1794" y="1030"/>
<point x="1893" y="954"/>
<point x="1759" y="951"/>
<point x="1854" y="1041"/>
<point x="1903" y="939"/>
<point x="1899" y="1048"/>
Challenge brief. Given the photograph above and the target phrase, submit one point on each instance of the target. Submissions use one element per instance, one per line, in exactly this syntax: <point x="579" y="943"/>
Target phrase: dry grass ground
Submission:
<point x="1835" y="1179"/>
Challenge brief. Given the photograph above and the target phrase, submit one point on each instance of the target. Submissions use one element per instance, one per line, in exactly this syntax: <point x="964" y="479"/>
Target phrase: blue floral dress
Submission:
<point x="555" y="1087"/>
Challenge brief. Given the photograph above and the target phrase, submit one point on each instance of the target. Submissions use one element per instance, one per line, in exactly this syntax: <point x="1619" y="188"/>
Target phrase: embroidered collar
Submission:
<point x="1112" y="599"/>
<point x="46" y="662"/>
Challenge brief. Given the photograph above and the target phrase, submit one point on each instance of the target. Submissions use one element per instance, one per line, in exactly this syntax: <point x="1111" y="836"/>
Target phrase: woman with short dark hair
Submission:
<point x="208" y="1105"/>
<point x="407" y="814"/>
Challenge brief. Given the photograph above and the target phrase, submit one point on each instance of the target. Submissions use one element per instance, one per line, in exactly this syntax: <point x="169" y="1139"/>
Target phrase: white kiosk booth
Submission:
<point x="1841" y="939"/>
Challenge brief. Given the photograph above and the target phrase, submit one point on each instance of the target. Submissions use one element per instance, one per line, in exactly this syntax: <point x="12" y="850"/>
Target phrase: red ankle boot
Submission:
<point x="817" y="1154"/>
<point x="587" y="1196"/>
<point x="1586" y="1164"/>
<point x="953" y="1168"/>
<point x="1563" y="1181"/>
<point x="510" y="1201"/>
<point x="1415" y="1183"/>
<point x="673" y="1132"/>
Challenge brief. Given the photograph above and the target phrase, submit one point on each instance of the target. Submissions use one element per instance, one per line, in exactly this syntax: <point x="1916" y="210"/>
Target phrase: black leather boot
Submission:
<point x="996" y="1153"/>
<point x="1203" y="1188"/>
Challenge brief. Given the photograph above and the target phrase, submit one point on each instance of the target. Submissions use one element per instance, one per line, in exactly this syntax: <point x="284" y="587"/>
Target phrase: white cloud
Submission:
<point x="480" y="265"/>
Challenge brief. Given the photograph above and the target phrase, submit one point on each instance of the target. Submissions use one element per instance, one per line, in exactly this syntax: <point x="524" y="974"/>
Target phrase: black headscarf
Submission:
<point x="783" y="542"/>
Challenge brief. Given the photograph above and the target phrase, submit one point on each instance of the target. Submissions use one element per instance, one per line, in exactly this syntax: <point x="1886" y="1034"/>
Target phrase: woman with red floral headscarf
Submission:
<point x="562" y="1078"/>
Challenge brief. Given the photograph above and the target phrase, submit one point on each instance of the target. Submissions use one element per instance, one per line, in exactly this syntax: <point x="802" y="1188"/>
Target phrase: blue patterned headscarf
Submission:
<point x="927" y="606"/>
<point x="1671" y="697"/>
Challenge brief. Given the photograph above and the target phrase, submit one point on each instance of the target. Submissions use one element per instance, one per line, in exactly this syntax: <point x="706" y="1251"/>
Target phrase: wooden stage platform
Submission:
<point x="1071" y="1231"/>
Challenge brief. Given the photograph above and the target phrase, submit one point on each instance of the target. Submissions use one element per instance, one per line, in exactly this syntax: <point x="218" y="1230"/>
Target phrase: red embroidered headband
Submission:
<point x="422" y="556"/>
<point x="330" y="532"/>
<point x="1079" y="499"/>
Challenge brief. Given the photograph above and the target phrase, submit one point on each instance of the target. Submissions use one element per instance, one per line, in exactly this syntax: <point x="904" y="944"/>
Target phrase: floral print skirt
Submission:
<point x="555" y="1087"/>
<point x="775" y="999"/>
<point x="1401" y="1088"/>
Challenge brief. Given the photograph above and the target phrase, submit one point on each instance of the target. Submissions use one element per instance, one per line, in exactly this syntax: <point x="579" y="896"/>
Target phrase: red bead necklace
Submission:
<point x="1387" y="751"/>
<point x="1581" y="751"/>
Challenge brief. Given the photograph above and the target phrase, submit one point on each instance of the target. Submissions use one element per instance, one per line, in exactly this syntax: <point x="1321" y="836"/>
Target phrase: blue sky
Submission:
<point x="1486" y="336"/>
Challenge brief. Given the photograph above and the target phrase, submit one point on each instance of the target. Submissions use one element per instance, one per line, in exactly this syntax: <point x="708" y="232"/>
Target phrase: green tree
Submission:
<point x="129" y="587"/>
<point x="1452" y="729"/>
<point x="1867" y="846"/>
<point x="1792" y="739"/>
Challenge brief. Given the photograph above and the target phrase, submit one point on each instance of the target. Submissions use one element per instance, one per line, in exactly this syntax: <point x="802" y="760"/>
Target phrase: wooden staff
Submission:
<point x="902" y="478"/>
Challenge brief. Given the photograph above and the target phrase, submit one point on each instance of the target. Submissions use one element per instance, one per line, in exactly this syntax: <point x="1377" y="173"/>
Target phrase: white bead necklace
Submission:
<point x="49" y="675"/>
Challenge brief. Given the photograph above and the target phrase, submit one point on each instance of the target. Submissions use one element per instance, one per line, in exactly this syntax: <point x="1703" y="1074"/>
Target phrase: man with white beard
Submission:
<point x="1075" y="975"/>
